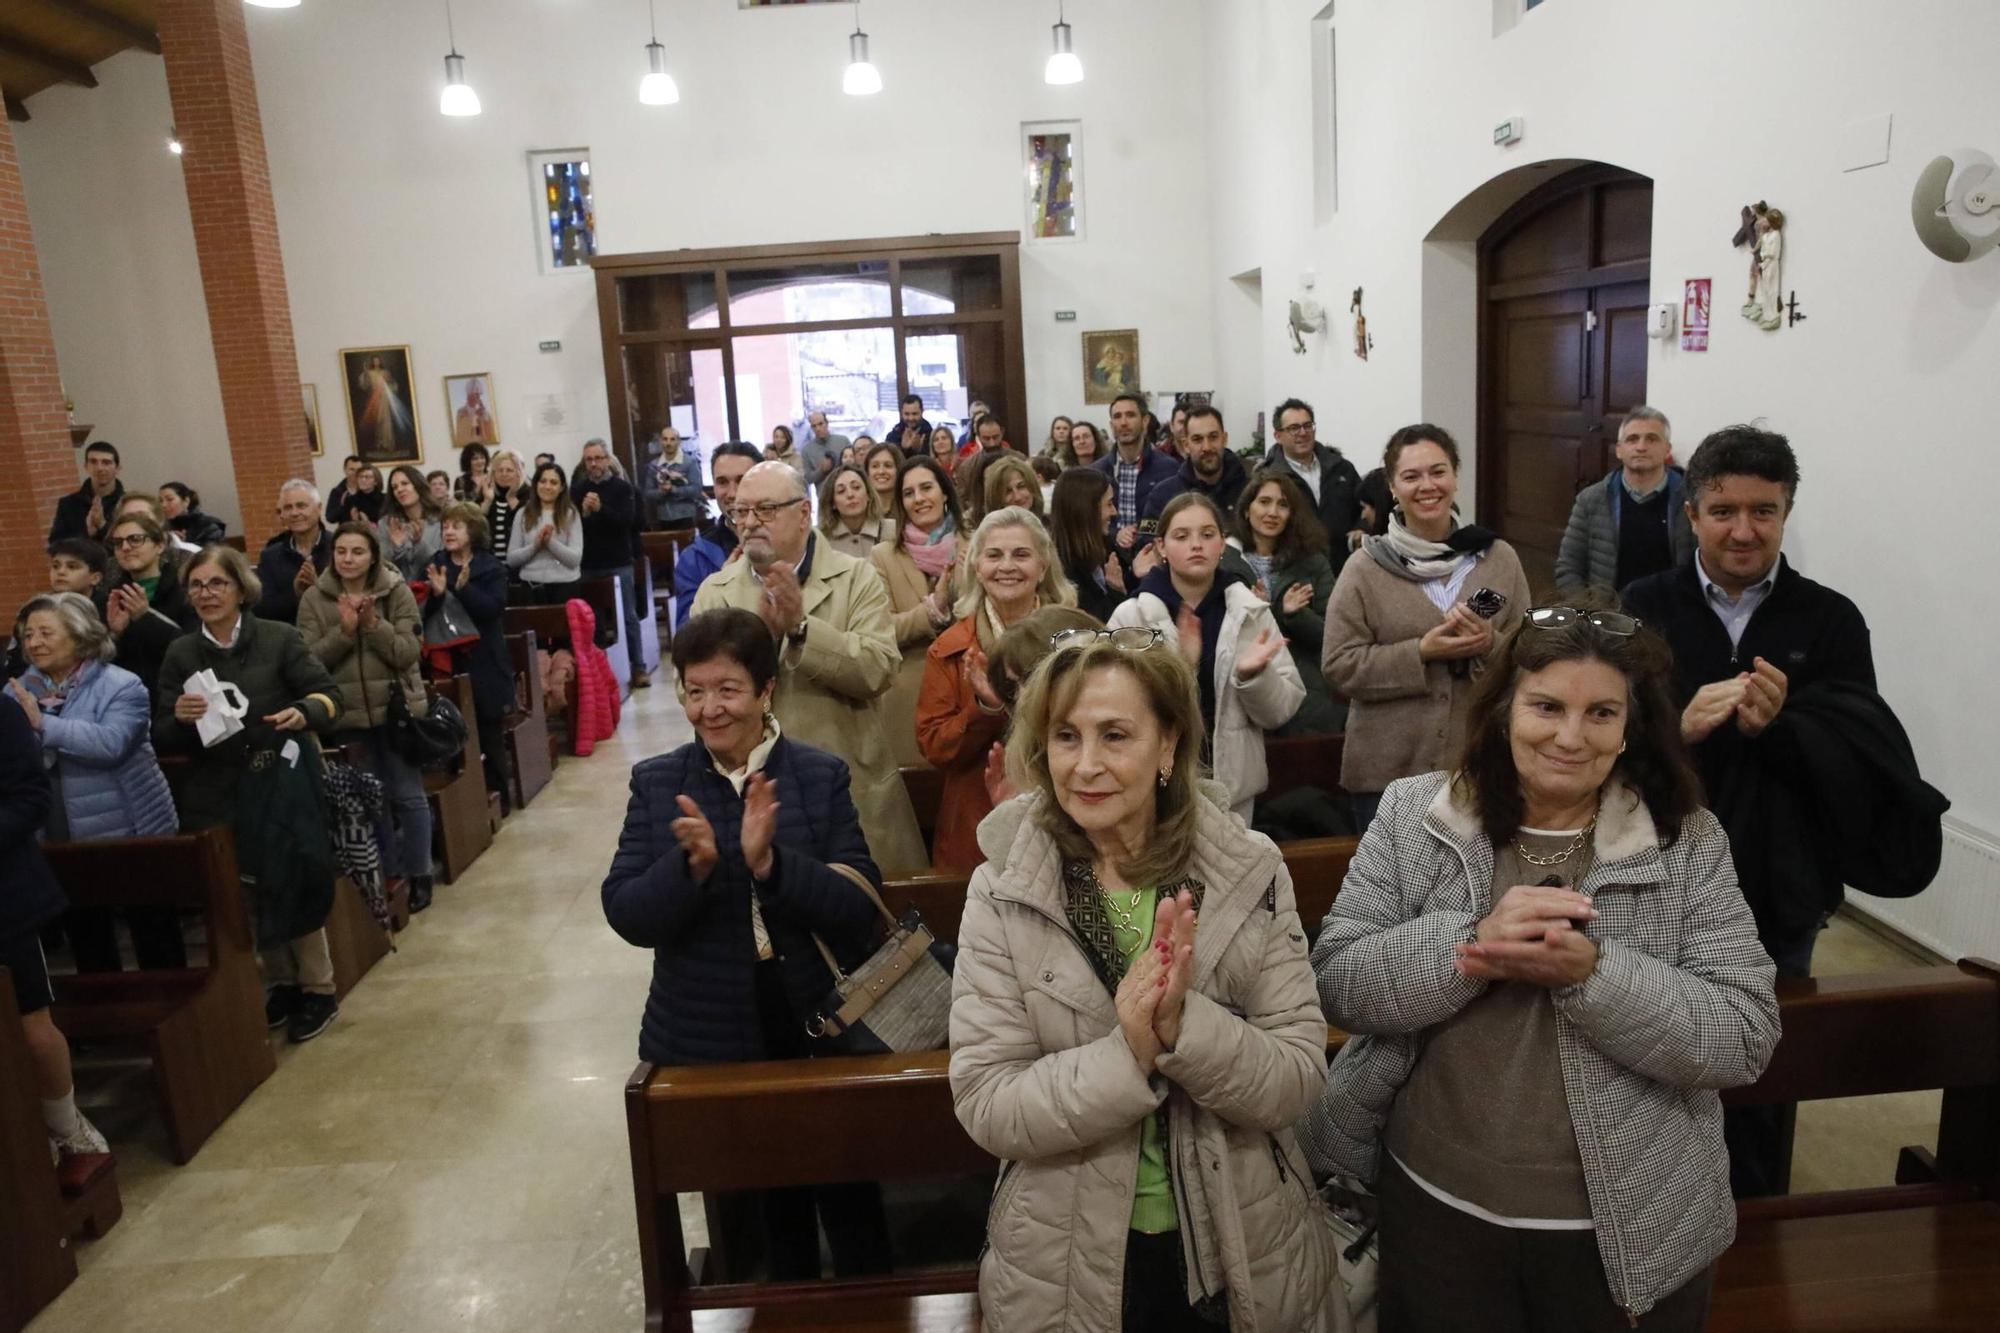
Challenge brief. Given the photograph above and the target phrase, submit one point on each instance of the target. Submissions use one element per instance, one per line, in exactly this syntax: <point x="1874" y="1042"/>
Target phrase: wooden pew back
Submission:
<point x="204" y="1026"/>
<point x="458" y="800"/>
<point x="527" y="726"/>
<point x="36" y="1262"/>
<point x="1303" y="761"/>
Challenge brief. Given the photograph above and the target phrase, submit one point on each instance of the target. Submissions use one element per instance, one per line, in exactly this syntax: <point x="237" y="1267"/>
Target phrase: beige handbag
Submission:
<point x="899" y="1000"/>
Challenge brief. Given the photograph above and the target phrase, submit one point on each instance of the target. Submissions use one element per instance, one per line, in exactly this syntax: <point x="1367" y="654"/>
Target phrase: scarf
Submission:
<point x="933" y="551"/>
<point x="1083" y="904"/>
<point x="1418" y="559"/>
<point x="49" y="695"/>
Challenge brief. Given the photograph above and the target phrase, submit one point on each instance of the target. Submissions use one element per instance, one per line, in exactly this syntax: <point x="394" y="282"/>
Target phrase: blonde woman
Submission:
<point x="1137" y="1083"/>
<point x="1013" y="572"/>
<point x="848" y="517"/>
<point x="1010" y="480"/>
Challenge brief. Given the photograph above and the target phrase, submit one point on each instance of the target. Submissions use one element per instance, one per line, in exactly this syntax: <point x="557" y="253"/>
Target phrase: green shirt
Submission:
<point x="1153" y="1204"/>
<point x="150" y="586"/>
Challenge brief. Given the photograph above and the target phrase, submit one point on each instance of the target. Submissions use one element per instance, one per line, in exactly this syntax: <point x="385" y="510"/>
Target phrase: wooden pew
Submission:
<point x="458" y="800"/>
<point x="718" y="1128"/>
<point x="661" y="548"/>
<point x="551" y="626"/>
<point x="1303" y="761"/>
<point x="203" y="1027"/>
<point x="926" y="788"/>
<point x="529" y="754"/>
<point x="36" y="1262"/>
<point x="1318" y="866"/>
<point x="1923" y="1255"/>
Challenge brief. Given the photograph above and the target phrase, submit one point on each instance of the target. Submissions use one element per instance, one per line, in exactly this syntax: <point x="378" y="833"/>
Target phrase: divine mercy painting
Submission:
<point x="380" y="409"/>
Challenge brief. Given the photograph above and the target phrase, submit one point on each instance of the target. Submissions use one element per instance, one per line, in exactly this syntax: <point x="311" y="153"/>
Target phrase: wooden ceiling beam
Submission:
<point x="63" y="68"/>
<point x="16" y="109"/>
<point x="126" y="30"/>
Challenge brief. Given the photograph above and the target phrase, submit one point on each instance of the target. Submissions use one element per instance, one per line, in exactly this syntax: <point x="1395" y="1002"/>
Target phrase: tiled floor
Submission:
<point x="451" y="1154"/>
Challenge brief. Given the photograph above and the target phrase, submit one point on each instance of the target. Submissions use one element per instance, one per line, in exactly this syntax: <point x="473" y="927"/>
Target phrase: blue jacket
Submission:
<point x="695" y="563"/>
<point x="29" y="894"/>
<point x="702" y="1008"/>
<point x="100" y="747"/>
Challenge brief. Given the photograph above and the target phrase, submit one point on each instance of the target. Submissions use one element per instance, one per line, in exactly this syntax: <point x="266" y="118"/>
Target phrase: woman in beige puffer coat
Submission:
<point x="1046" y="1077"/>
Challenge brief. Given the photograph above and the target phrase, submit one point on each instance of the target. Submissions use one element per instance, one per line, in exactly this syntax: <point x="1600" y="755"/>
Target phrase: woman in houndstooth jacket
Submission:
<point x="1549" y="972"/>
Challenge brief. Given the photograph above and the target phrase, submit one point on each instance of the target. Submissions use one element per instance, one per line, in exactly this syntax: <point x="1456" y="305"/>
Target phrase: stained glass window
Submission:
<point x="1054" y="193"/>
<point x="567" y="214"/>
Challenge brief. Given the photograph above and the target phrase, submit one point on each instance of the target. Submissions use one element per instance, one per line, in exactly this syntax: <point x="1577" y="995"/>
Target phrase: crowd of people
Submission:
<point x="1091" y="642"/>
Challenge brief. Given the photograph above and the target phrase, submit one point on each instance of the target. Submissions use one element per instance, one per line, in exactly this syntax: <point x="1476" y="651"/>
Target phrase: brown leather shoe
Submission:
<point x="641" y="681"/>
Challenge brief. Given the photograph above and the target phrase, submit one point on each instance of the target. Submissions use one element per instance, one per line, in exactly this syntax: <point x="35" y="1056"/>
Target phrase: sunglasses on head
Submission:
<point x="1562" y="617"/>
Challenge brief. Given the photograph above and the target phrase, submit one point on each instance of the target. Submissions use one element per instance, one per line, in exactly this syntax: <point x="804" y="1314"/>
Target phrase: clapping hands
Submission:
<point x="1152" y="994"/>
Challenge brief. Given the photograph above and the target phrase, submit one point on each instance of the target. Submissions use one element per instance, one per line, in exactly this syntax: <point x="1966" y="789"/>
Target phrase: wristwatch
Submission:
<point x="797" y="638"/>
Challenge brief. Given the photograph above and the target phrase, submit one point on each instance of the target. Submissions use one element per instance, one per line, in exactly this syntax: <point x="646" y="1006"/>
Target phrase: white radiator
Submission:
<point x="1958" y="916"/>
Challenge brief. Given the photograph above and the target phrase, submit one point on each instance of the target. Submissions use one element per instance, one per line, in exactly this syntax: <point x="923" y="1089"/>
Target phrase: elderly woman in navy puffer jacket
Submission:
<point x="725" y="869"/>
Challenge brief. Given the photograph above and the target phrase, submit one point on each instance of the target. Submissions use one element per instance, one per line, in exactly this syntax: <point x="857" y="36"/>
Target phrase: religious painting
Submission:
<point x="380" y="408"/>
<point x="469" y="403"/>
<point x="1696" y="299"/>
<point x="313" y="437"/>
<point x="1050" y="152"/>
<point x="1110" y="364"/>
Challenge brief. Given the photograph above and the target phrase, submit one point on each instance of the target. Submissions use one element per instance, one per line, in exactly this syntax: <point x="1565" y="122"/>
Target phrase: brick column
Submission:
<point x="34" y="431"/>
<point x="214" y="93"/>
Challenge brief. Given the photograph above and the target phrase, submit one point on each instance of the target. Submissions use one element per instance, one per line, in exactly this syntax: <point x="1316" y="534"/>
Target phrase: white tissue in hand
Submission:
<point x="226" y="707"/>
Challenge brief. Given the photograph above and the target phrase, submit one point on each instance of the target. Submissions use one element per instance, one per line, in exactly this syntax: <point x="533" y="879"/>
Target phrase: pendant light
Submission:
<point x="273" y="4"/>
<point x="174" y="144"/>
<point x="862" y="79"/>
<point x="658" y="87"/>
<point x="1063" y="66"/>
<point x="458" y="98"/>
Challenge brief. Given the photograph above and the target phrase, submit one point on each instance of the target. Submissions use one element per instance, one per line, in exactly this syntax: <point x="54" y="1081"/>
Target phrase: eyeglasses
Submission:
<point x="765" y="512"/>
<point x="1562" y="617"/>
<point x="1296" y="428"/>
<point x="199" y="587"/>
<point x="130" y="541"/>
<point x="1128" y="639"/>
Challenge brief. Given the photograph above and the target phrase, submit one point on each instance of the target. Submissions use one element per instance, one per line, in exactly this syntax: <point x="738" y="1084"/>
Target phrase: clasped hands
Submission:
<point x="1752" y="698"/>
<point x="1533" y="934"/>
<point x="1462" y="634"/>
<point x="696" y="835"/>
<point x="1151" y="996"/>
<point x="783" y="604"/>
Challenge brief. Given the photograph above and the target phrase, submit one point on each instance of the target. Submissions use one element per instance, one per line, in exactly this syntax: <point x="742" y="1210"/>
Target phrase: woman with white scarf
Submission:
<point x="917" y="562"/>
<point x="1412" y="620"/>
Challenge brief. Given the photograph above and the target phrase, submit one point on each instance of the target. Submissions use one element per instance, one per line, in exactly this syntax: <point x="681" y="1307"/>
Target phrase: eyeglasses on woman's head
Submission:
<point x="1128" y="639"/>
<point x="1562" y="617"/>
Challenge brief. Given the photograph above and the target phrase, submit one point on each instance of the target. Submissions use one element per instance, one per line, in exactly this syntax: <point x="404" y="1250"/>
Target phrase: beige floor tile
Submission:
<point x="592" y="948"/>
<point x="285" y="1126"/>
<point x="562" y="999"/>
<point x="582" y="1114"/>
<point x="209" y="1296"/>
<point x="387" y="999"/>
<point x="603" y="1292"/>
<point x="499" y="1200"/>
<point x="427" y="1288"/>
<point x="245" y="1214"/>
<point x="1848" y="946"/>
<point x="365" y="1053"/>
<point x="605" y="1048"/>
<point x="1852" y="1143"/>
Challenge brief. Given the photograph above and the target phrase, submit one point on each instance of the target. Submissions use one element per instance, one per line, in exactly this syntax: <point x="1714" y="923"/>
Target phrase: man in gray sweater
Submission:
<point x="1634" y="522"/>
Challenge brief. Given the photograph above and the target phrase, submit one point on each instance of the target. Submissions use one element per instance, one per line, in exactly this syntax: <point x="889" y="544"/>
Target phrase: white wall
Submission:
<point x="400" y="226"/>
<point x="1887" y="391"/>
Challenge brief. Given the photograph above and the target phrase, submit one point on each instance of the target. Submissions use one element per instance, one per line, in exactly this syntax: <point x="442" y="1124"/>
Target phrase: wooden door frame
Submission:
<point x="896" y="250"/>
<point x="1577" y="180"/>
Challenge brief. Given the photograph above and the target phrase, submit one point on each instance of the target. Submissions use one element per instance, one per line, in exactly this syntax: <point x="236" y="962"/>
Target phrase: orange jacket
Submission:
<point x="955" y="733"/>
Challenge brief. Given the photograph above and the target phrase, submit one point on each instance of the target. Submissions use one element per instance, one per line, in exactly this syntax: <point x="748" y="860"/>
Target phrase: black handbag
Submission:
<point x="431" y="739"/>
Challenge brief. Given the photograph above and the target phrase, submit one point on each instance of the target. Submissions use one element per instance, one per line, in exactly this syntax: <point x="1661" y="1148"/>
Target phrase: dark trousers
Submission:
<point x="857" y="1228"/>
<point x="493" y="747"/>
<point x="1364" y="804"/>
<point x="157" y="944"/>
<point x="1759" y="1138"/>
<point x="1446" y="1271"/>
<point x="1156" y="1286"/>
<point x="626" y="592"/>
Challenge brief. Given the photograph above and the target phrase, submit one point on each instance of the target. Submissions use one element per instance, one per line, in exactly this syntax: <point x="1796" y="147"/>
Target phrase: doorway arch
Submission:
<point x="1565" y="274"/>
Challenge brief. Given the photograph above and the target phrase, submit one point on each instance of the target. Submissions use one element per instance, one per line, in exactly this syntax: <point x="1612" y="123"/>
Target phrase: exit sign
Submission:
<point x="1065" y="316"/>
<point x="551" y="344"/>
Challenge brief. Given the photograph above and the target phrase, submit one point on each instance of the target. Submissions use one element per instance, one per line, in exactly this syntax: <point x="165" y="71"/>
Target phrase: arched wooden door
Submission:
<point x="1564" y="279"/>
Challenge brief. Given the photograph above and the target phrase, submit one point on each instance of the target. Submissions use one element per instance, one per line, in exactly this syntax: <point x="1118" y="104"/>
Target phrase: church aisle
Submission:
<point x="451" y="1153"/>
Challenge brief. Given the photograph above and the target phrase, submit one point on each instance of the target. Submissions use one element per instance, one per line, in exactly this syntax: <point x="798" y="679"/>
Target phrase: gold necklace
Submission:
<point x="1123" y="918"/>
<point x="1575" y="845"/>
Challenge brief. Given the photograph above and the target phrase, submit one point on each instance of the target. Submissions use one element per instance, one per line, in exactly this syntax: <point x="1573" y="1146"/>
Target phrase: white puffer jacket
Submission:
<point x="1244" y="710"/>
<point x="1042" y="1078"/>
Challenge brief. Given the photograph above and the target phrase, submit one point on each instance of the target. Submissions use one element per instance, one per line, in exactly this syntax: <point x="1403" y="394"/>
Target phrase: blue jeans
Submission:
<point x="404" y="828"/>
<point x="626" y="592"/>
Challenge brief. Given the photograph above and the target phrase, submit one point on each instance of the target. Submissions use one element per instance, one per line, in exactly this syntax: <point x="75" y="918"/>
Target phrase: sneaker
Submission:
<point x="280" y="1003"/>
<point x="314" y="1013"/>
<point x="80" y="1157"/>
